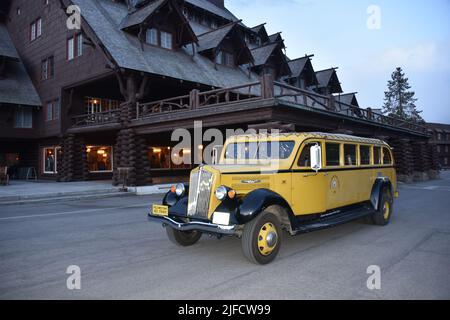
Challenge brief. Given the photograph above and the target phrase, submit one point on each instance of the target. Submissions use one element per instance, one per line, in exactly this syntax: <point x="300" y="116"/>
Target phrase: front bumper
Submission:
<point x="194" y="225"/>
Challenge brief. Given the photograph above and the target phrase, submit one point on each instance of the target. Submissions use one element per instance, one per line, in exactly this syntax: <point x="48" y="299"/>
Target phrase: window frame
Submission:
<point x="49" y="63"/>
<point x="380" y="159"/>
<point x="112" y="158"/>
<point x="21" y="111"/>
<point x="70" y="46"/>
<point x="302" y="148"/>
<point x="325" y="153"/>
<point x="166" y="33"/>
<point x="356" y="154"/>
<point x="391" y="162"/>
<point x="55" y="165"/>
<point x="370" y="155"/>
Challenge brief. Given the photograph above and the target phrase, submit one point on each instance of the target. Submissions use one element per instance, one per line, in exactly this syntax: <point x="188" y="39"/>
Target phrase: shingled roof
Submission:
<point x="348" y="98"/>
<point x="262" y="54"/>
<point x="328" y="78"/>
<point x="7" y="48"/>
<point x="138" y="16"/>
<point x="212" y="8"/>
<point x="15" y="85"/>
<point x="104" y="18"/>
<point x="212" y="39"/>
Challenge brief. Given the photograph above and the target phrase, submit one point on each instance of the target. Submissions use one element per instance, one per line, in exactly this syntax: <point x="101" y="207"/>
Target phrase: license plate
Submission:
<point x="158" y="210"/>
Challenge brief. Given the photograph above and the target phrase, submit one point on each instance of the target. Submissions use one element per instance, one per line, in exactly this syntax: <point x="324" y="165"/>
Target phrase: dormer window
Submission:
<point x="160" y="38"/>
<point x="225" y="58"/>
<point x="152" y="36"/>
<point x="166" y="40"/>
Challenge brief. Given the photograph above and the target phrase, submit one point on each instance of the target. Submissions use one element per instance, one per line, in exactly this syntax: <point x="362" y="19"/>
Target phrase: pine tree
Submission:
<point x="398" y="100"/>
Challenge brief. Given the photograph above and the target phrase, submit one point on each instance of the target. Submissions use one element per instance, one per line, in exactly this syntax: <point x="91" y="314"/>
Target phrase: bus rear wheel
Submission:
<point x="382" y="216"/>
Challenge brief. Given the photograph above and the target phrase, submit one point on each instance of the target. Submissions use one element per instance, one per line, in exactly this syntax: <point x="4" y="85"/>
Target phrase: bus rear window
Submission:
<point x="333" y="154"/>
<point x="376" y="155"/>
<point x="387" y="159"/>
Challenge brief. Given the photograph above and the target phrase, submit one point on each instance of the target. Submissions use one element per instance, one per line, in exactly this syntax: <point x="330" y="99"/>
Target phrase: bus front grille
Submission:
<point x="200" y="193"/>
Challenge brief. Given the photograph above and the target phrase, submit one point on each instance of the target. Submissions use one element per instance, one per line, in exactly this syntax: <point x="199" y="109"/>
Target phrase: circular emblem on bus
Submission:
<point x="334" y="185"/>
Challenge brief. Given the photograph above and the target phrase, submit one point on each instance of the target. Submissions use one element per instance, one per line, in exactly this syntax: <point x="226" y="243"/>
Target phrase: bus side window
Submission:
<point x="376" y="155"/>
<point x="333" y="151"/>
<point x="387" y="159"/>
<point x="305" y="158"/>
<point x="364" y="152"/>
<point x="350" y="154"/>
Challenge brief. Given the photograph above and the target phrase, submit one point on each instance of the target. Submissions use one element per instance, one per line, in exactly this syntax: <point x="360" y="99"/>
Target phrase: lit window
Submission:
<point x="95" y="105"/>
<point x="152" y="36"/>
<point x="100" y="158"/>
<point x="50" y="159"/>
<point x="159" y="157"/>
<point x="166" y="40"/>
<point x="23" y="117"/>
<point x="70" y="49"/>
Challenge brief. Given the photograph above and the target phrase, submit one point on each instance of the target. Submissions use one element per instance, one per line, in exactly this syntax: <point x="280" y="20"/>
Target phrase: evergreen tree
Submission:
<point x="398" y="100"/>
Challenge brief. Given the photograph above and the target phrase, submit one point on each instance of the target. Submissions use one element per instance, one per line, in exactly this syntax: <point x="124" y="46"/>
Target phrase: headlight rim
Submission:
<point x="224" y="193"/>
<point x="180" y="189"/>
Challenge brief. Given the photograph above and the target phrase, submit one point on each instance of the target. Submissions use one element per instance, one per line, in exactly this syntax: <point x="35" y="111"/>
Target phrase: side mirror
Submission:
<point x="316" y="157"/>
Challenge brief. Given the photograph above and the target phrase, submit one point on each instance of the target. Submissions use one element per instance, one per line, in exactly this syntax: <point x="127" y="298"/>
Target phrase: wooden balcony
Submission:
<point x="260" y="91"/>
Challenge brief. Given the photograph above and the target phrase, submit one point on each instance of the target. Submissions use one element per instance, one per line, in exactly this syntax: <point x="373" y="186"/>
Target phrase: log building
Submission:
<point x="108" y="95"/>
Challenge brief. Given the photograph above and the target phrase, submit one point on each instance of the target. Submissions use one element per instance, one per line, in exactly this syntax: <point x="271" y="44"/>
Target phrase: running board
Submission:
<point x="331" y="220"/>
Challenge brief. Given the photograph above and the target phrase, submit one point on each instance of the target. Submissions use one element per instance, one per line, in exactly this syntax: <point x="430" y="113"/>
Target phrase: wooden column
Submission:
<point x="422" y="160"/>
<point x="72" y="165"/>
<point x="403" y="155"/>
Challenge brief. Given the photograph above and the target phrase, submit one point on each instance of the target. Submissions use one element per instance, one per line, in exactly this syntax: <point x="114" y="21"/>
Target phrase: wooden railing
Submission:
<point x="197" y="99"/>
<point x="98" y="118"/>
<point x="264" y="89"/>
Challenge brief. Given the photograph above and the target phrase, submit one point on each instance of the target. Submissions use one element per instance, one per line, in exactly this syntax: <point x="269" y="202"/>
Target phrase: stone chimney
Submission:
<point x="219" y="3"/>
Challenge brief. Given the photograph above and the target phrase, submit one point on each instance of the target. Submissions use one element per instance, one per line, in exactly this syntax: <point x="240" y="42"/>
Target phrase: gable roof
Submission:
<point x="263" y="53"/>
<point x="261" y="31"/>
<point x="140" y="15"/>
<point x="212" y="8"/>
<point x="104" y="18"/>
<point x="212" y="39"/>
<point x="16" y="86"/>
<point x="328" y="78"/>
<point x="348" y="98"/>
<point x="7" y="48"/>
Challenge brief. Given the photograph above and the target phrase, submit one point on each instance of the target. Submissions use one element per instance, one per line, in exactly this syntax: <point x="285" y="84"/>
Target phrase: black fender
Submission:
<point x="257" y="201"/>
<point x="378" y="186"/>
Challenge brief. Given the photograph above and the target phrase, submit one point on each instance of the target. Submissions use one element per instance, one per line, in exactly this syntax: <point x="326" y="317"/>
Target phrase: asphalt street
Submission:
<point x="122" y="256"/>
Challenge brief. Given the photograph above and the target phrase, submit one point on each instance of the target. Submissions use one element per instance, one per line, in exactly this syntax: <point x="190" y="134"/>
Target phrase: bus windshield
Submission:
<point x="260" y="150"/>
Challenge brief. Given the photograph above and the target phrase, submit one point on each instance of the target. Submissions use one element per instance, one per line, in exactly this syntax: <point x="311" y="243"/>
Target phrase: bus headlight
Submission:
<point x="180" y="189"/>
<point x="221" y="193"/>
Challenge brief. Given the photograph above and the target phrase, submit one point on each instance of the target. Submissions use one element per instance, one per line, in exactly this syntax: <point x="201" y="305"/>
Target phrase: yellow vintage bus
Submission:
<point x="297" y="182"/>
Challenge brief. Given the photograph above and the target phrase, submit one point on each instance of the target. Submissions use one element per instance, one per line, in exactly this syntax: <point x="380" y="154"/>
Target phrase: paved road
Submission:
<point x="122" y="256"/>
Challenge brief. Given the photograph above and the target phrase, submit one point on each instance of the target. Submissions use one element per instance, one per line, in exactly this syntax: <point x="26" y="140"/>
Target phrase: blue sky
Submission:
<point x="414" y="35"/>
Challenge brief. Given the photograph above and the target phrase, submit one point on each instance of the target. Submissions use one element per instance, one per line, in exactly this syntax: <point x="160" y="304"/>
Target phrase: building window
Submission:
<point x="439" y="136"/>
<point x="47" y="68"/>
<point x="166" y="40"/>
<point x="446" y="161"/>
<point x="225" y="58"/>
<point x="161" y="158"/>
<point x="446" y="149"/>
<point x="100" y="158"/>
<point x="75" y="46"/>
<point x="152" y="36"/>
<point x="23" y="117"/>
<point x="35" y="29"/>
<point x="52" y="110"/>
<point x="438" y="149"/>
<point x="333" y="154"/>
<point x="79" y="38"/>
<point x="50" y="159"/>
<point x="70" y="48"/>
<point x="95" y="105"/>
<point x="18" y="11"/>
<point x="350" y="154"/>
